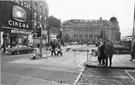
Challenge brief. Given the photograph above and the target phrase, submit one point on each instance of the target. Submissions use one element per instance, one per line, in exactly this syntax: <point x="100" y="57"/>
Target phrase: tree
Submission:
<point x="66" y="38"/>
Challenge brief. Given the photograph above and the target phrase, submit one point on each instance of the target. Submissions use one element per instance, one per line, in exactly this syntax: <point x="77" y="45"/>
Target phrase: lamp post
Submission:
<point x="133" y="28"/>
<point x="41" y="44"/>
<point x="110" y="35"/>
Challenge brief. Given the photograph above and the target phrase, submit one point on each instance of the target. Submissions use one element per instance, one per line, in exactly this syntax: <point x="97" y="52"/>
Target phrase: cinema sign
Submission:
<point x="20" y="15"/>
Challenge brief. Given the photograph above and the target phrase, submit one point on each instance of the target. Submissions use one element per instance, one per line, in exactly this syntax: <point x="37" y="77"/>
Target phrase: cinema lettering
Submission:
<point x="18" y="24"/>
<point x="22" y="3"/>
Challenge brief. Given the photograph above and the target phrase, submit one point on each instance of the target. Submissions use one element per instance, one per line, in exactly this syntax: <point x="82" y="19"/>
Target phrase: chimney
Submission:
<point x="100" y="18"/>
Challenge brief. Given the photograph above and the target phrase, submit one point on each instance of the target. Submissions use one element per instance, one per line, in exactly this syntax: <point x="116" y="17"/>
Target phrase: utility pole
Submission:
<point x="110" y="35"/>
<point x="48" y="33"/>
<point x="133" y="28"/>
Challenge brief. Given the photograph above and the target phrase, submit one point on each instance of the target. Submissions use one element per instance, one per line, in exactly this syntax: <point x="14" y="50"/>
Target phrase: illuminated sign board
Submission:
<point x="19" y="14"/>
<point x="20" y="32"/>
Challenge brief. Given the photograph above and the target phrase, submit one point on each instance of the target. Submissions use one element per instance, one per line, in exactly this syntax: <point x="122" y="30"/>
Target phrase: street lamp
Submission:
<point x="110" y="34"/>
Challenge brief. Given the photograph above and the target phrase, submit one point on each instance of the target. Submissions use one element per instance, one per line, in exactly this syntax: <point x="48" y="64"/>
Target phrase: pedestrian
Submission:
<point x="59" y="50"/>
<point x="13" y="44"/>
<point x="133" y="53"/>
<point x="109" y="52"/>
<point x="102" y="54"/>
<point x="93" y="53"/>
<point x="36" y="53"/>
<point x="4" y="45"/>
<point x="53" y="48"/>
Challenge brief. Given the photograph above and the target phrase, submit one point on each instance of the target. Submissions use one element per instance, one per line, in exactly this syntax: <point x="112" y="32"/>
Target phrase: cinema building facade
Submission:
<point x="19" y="19"/>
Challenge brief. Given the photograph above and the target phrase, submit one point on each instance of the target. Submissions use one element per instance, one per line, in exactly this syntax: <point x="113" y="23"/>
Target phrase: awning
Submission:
<point x="18" y="31"/>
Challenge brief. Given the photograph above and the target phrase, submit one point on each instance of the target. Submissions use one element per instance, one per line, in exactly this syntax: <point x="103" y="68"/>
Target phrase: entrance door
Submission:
<point x="12" y="38"/>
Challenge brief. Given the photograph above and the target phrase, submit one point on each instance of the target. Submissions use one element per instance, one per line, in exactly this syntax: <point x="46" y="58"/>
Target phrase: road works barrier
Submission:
<point x="79" y="50"/>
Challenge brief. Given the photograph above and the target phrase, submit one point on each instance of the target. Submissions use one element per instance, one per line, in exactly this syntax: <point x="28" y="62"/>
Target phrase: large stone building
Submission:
<point x="54" y="28"/>
<point x="90" y="30"/>
<point x="40" y="14"/>
<point x="20" y="18"/>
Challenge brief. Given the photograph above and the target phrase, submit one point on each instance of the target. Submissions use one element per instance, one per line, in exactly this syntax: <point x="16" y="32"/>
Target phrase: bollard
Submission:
<point x="46" y="53"/>
<point x="74" y="54"/>
<point x="87" y="54"/>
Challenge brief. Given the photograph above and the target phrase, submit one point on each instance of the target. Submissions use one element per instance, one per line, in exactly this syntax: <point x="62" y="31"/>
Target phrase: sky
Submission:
<point x="123" y="10"/>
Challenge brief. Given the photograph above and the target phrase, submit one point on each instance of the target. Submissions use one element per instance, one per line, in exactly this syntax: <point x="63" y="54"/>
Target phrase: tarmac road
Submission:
<point x="56" y="70"/>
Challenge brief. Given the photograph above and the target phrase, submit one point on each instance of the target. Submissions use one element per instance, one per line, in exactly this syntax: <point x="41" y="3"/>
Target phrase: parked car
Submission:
<point x="88" y="43"/>
<point x="75" y="43"/>
<point x="17" y="49"/>
<point x="118" y="49"/>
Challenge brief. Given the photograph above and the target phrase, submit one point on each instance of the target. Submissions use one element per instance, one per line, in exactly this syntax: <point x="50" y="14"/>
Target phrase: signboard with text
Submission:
<point x="18" y="14"/>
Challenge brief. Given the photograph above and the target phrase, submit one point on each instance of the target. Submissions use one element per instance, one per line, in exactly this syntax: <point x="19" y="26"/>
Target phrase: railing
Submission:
<point x="79" y="50"/>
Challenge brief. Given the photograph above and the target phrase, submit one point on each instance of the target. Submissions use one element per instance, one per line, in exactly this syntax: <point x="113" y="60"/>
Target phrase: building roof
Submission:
<point x="86" y="23"/>
<point x="113" y="19"/>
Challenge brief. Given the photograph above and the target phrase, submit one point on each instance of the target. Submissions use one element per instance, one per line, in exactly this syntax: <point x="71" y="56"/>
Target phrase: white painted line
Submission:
<point x="130" y="70"/>
<point x="78" y="77"/>
<point x="130" y="75"/>
<point x="80" y="65"/>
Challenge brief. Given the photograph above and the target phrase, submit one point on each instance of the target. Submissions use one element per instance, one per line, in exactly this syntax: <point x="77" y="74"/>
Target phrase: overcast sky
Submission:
<point x="123" y="10"/>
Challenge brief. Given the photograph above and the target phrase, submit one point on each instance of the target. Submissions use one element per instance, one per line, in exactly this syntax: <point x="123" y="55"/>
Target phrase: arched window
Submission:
<point x="45" y="11"/>
<point x="40" y="18"/>
<point x="35" y="5"/>
<point x="41" y="8"/>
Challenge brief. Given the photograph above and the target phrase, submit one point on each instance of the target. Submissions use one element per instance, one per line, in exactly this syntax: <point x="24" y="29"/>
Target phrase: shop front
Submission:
<point x="16" y="22"/>
<point x="12" y="36"/>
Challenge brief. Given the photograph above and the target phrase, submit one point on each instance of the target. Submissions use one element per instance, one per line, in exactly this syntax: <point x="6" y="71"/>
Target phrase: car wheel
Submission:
<point x="17" y="53"/>
<point x="13" y="53"/>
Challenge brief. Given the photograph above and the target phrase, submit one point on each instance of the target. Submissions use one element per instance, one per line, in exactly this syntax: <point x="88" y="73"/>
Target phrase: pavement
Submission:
<point x="120" y="61"/>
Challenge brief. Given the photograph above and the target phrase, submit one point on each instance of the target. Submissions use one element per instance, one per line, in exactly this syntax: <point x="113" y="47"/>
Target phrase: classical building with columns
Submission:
<point x="80" y="30"/>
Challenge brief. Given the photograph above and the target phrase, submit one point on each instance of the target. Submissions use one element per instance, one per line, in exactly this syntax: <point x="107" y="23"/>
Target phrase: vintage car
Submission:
<point x="121" y="50"/>
<point x="17" y="49"/>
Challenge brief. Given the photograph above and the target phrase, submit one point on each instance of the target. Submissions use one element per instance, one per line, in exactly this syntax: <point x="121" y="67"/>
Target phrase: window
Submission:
<point x="35" y="5"/>
<point x="40" y="17"/>
<point x="75" y="32"/>
<point x="81" y="32"/>
<point x="41" y="8"/>
<point x="45" y="11"/>
<point x="35" y="15"/>
<point x="90" y="36"/>
<point x="95" y="32"/>
<point x="75" y="35"/>
<point x="90" y="32"/>
<point x="86" y="32"/>
<point x="85" y="35"/>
